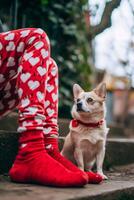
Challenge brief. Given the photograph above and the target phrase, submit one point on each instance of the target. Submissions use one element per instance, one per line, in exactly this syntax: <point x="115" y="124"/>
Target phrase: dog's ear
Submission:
<point x="77" y="90"/>
<point x="101" y="90"/>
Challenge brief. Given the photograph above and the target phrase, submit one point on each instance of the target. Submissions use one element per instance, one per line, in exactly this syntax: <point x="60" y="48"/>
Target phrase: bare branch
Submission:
<point x="105" y="20"/>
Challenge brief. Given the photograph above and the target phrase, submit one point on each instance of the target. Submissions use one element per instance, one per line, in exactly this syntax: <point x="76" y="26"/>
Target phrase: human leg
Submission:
<point x="32" y="163"/>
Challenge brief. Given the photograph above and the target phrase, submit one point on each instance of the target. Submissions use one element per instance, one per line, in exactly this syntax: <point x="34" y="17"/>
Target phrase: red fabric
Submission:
<point x="53" y="151"/>
<point x="34" y="165"/>
<point x="76" y="123"/>
<point x="94" y="178"/>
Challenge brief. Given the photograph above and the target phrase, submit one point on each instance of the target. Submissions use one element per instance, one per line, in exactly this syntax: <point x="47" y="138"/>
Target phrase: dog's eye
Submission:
<point x="78" y="100"/>
<point x="89" y="100"/>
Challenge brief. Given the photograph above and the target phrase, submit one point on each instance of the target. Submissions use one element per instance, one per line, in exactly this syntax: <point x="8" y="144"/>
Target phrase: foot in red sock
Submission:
<point x="54" y="153"/>
<point x="93" y="178"/>
<point x="34" y="165"/>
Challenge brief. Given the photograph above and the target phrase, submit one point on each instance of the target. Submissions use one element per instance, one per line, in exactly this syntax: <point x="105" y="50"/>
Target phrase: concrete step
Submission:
<point x="120" y="186"/>
<point x="8" y="149"/>
<point x="10" y="122"/>
<point x="118" y="151"/>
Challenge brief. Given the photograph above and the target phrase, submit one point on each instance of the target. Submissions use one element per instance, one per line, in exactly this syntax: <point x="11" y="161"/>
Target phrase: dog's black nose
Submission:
<point x="79" y="106"/>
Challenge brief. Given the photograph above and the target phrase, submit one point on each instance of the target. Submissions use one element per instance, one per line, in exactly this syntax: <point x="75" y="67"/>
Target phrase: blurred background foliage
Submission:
<point x="64" y="22"/>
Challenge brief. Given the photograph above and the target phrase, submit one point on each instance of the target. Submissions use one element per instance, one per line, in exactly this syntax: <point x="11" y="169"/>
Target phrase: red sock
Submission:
<point x="94" y="178"/>
<point x="54" y="153"/>
<point x="34" y="165"/>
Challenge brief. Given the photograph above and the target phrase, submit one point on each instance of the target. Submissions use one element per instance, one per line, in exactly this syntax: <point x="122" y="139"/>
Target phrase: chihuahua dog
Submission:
<point x="85" y="143"/>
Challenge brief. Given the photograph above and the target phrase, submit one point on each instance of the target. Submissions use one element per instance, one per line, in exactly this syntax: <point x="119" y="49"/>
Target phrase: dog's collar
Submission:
<point x="75" y="123"/>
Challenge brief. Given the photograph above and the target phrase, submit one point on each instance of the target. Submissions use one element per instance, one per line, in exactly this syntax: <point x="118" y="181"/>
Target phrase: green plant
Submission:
<point x="64" y="23"/>
<point x="66" y="28"/>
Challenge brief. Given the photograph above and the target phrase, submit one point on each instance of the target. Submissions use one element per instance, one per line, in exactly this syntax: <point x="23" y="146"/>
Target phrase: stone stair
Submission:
<point x="114" y="189"/>
<point x="119" y="152"/>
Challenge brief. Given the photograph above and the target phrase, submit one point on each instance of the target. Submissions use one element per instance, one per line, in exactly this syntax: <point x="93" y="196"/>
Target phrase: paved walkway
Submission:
<point x="120" y="185"/>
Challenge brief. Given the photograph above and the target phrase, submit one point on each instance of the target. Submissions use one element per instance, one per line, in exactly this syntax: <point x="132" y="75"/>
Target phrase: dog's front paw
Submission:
<point x="104" y="177"/>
